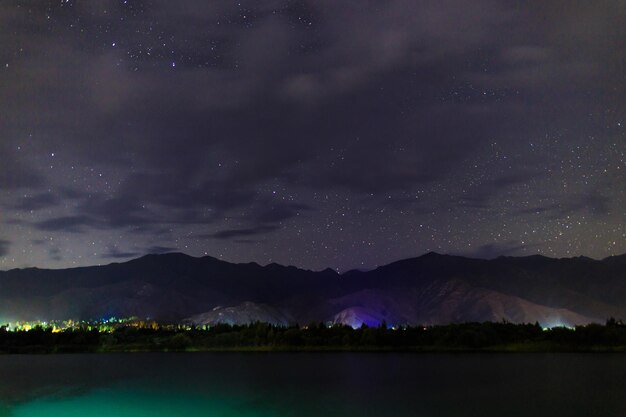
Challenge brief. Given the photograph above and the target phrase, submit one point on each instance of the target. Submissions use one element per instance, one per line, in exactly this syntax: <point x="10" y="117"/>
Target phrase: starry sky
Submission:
<point x="342" y="134"/>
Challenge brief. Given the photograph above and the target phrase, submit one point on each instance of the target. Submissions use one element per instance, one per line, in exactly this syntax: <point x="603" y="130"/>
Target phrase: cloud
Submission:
<point x="340" y="74"/>
<point x="114" y="253"/>
<point x="174" y="113"/>
<point x="54" y="254"/>
<point x="526" y="54"/>
<point x="480" y="195"/>
<point x="37" y="202"/>
<point x="493" y="250"/>
<point x="237" y="233"/>
<point x="15" y="173"/>
<point x="4" y="247"/>
<point x="596" y="203"/>
<point x="115" y="212"/>
<point x="71" y="224"/>
<point x="593" y="202"/>
<point x="277" y="212"/>
<point x="97" y="212"/>
<point x="159" y="249"/>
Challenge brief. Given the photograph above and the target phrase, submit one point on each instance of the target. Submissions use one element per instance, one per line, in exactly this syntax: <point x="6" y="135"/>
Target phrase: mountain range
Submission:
<point x="430" y="289"/>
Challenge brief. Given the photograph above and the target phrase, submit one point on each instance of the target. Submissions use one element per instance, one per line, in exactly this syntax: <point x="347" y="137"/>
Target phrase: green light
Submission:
<point x="125" y="402"/>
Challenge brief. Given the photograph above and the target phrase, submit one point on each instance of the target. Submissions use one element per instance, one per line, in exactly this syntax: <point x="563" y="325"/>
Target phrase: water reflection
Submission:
<point x="342" y="384"/>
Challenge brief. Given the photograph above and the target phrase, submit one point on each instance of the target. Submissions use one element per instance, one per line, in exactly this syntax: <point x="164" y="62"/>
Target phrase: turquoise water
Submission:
<point x="129" y="402"/>
<point x="308" y="384"/>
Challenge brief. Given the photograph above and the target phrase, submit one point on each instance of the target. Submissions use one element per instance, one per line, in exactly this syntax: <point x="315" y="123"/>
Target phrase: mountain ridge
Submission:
<point x="431" y="288"/>
<point x="621" y="257"/>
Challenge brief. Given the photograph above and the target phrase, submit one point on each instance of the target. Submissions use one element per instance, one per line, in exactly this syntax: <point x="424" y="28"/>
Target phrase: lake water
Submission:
<point x="313" y="384"/>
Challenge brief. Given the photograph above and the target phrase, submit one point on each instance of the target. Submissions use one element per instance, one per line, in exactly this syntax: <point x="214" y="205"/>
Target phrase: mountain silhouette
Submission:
<point x="430" y="289"/>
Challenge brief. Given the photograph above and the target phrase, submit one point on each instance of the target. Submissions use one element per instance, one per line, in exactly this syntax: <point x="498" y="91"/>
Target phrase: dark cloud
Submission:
<point x="596" y="204"/>
<point x="68" y="193"/>
<point x="4" y="247"/>
<point x="493" y="250"/>
<point x="279" y="212"/>
<point x="19" y="222"/>
<point x="248" y="241"/>
<point x="481" y="195"/>
<point x="115" y="212"/>
<point x="592" y="203"/>
<point x="70" y="224"/>
<point x="159" y="249"/>
<point x="114" y="253"/>
<point x="37" y="202"/>
<point x="233" y="233"/>
<point x="55" y="254"/>
<point x="100" y="213"/>
<point x="342" y="72"/>
<point x="127" y="212"/>
<point x="15" y="173"/>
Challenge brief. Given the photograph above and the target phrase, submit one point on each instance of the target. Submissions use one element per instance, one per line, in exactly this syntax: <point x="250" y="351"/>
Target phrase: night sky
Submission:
<point x="342" y="134"/>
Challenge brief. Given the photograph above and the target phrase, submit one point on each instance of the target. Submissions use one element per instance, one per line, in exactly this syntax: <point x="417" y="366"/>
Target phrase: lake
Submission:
<point x="313" y="384"/>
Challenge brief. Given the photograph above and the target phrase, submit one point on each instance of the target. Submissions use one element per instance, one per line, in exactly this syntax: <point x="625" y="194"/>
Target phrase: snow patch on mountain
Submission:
<point x="244" y="313"/>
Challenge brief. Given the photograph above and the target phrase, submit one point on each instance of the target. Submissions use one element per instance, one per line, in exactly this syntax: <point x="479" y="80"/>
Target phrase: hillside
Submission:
<point x="430" y="289"/>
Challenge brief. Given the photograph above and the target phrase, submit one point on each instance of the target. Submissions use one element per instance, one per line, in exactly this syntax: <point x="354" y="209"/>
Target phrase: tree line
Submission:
<point x="496" y="336"/>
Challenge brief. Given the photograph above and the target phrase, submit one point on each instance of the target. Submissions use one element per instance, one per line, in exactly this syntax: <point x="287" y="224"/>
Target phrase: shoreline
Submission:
<point x="69" y="350"/>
